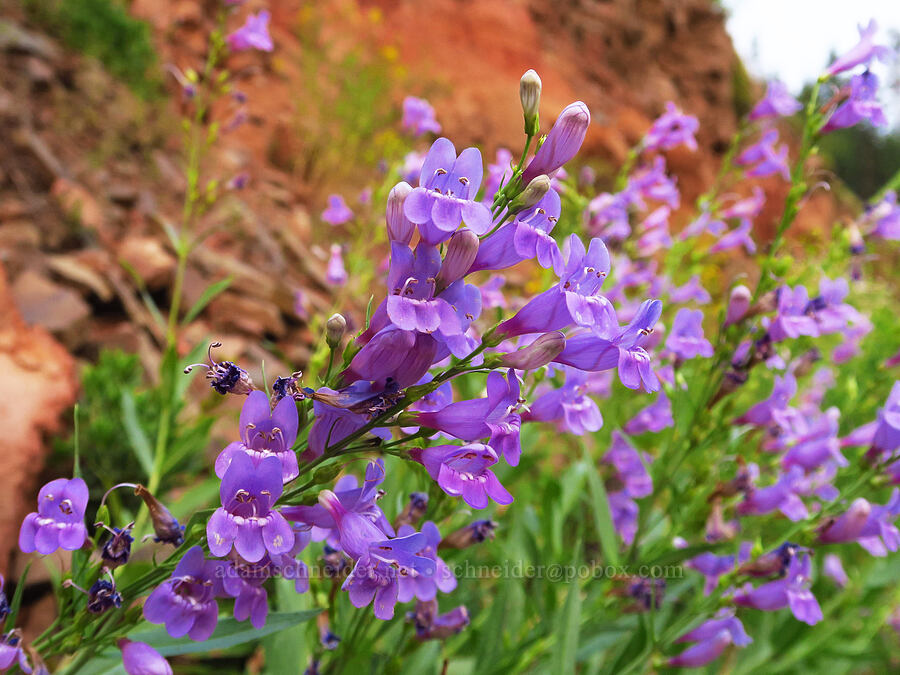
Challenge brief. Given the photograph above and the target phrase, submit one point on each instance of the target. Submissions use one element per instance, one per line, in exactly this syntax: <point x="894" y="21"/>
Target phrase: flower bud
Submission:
<point x="413" y="511"/>
<point x="334" y="330"/>
<point x="530" y="96"/>
<point x="539" y="353"/>
<point x="461" y="251"/>
<point x="139" y="658"/>
<point x="531" y="195"/>
<point x="473" y="533"/>
<point x="738" y="304"/>
<point x="562" y="143"/>
<point x="399" y="227"/>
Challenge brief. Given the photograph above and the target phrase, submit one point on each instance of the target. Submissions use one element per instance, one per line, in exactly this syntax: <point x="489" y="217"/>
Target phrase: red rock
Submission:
<point x="39" y="385"/>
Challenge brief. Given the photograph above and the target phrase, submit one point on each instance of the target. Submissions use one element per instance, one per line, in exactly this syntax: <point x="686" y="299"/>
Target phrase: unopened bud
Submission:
<point x="413" y="511"/>
<point x="461" y="251"/>
<point x="738" y="304"/>
<point x="399" y="227"/>
<point x="562" y="143"/>
<point x="334" y="330"/>
<point x="530" y="96"/>
<point x="539" y="353"/>
<point x="531" y="195"/>
<point x="471" y="534"/>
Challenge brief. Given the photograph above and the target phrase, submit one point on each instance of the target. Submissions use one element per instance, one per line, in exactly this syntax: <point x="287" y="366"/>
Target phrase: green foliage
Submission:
<point x="862" y="157"/>
<point x="104" y="30"/>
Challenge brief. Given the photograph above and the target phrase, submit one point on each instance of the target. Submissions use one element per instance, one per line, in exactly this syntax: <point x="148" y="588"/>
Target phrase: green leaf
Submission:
<point x="135" y="433"/>
<point x="567" y="629"/>
<point x="208" y="296"/>
<point x="229" y="633"/>
<point x="16" y="601"/>
<point x="606" y="531"/>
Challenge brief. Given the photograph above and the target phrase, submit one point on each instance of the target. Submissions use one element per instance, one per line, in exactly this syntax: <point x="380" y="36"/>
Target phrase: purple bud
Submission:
<point x="473" y="533"/>
<point x="539" y="353"/>
<point x="399" y="227"/>
<point x="849" y="526"/>
<point x="738" y="304"/>
<point x="461" y="251"/>
<point x="139" y="658"/>
<point x="562" y="143"/>
<point x="833" y="568"/>
<point x="413" y="511"/>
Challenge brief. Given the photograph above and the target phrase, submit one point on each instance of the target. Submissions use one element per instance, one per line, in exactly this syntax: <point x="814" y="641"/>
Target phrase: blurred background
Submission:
<point x="91" y="169"/>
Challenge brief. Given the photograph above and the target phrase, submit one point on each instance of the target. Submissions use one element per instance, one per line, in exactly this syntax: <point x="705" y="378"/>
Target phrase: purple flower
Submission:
<point x="12" y="651"/>
<point x="740" y="236"/>
<point x="761" y="414"/>
<point x="781" y="495"/>
<point x="630" y="465"/>
<point x="399" y="228"/>
<point x="861" y="105"/>
<point x="871" y="525"/>
<point x="811" y="438"/>
<point x="791" y="591"/>
<point x="392" y="354"/>
<point x="353" y="499"/>
<point x="654" y="232"/>
<point x="446" y="193"/>
<point x="671" y="129"/>
<point x="767" y="160"/>
<point x="433" y="626"/>
<point x="884" y="218"/>
<point x="494" y="416"/>
<point x="575" y="299"/>
<point x="186" y="603"/>
<point x="711" y="636"/>
<point x="654" y="418"/>
<point x="410" y="303"/>
<point x="713" y="566"/>
<point x="464" y="471"/>
<point x="418" y="117"/>
<point x="337" y="212"/>
<point x="498" y="173"/>
<point x="862" y="52"/>
<point x="561" y="144"/>
<point x="832" y="567"/>
<point x="792" y="319"/>
<point x="246" y="519"/>
<point x="568" y="406"/>
<point x="265" y="433"/>
<point x="336" y="273"/>
<point x="703" y="223"/>
<point x="623" y="350"/>
<point x="379" y="561"/>
<point x="607" y="215"/>
<point x="254" y="34"/>
<point x="425" y="587"/>
<point x="692" y="290"/>
<point x="654" y="184"/>
<point x="686" y="337"/>
<point x="139" y="658"/>
<point x="887" y="427"/>
<point x="59" y="520"/>
<point x="528" y="236"/>
<point x="624" y="513"/>
<point x="777" y="102"/>
<point x="747" y="208"/>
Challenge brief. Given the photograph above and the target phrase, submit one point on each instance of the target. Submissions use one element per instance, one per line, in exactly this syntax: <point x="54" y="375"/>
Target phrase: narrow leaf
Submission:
<point x="16" y="601"/>
<point x="606" y="531"/>
<point x="136" y="436"/>
<point x="208" y="296"/>
<point x="229" y="633"/>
